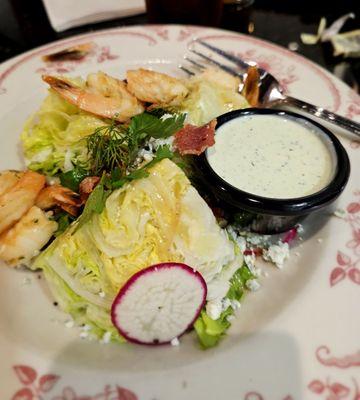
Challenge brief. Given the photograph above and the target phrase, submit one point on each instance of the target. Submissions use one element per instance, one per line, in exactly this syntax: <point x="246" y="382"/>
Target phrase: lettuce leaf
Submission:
<point x="53" y="138"/>
<point x="208" y="100"/>
<point x="209" y="331"/>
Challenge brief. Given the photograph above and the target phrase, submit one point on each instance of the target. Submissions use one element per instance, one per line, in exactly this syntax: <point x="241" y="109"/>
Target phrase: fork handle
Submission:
<point x="319" y="112"/>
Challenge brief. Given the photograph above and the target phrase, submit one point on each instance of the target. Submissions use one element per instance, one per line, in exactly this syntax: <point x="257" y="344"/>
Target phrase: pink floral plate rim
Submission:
<point x="34" y="383"/>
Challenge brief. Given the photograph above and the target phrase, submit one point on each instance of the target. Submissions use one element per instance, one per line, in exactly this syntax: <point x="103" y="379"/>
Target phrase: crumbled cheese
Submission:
<point x="26" y="281"/>
<point x="106" y="337"/>
<point x="166" y="116"/>
<point x="101" y="294"/>
<point x="319" y="240"/>
<point x="277" y="253"/>
<point x="253" y="285"/>
<point x="241" y="242"/>
<point x="256" y="239"/>
<point x="84" y="335"/>
<point x="235" y="304"/>
<point x="214" y="309"/>
<point x="250" y="262"/>
<point x="156" y="143"/>
<point x="266" y="274"/>
<point x="230" y="318"/>
<point x="69" y="323"/>
<point x="231" y="232"/>
<point x="340" y="213"/>
<point x="226" y="303"/>
<point x="299" y="228"/>
<point x="86" y="328"/>
<point x="257" y="272"/>
<point x="175" y="342"/>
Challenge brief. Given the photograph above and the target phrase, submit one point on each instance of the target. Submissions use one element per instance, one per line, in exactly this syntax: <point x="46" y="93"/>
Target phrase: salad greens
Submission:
<point x="64" y="220"/>
<point x="116" y="146"/>
<point x="208" y="100"/>
<point x="122" y="230"/>
<point x="210" y="331"/>
<point x="72" y="179"/>
<point x="85" y="266"/>
<point x="97" y="198"/>
<point x="53" y="138"/>
<point x="62" y="139"/>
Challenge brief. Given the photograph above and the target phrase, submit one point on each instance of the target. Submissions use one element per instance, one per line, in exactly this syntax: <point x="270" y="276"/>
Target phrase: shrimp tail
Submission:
<point x="59" y="196"/>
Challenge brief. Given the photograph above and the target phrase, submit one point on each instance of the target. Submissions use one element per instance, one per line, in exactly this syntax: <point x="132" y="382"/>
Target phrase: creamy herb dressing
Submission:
<point x="272" y="156"/>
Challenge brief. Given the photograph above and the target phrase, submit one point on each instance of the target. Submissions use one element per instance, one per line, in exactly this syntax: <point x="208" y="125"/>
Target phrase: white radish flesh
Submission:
<point x="159" y="303"/>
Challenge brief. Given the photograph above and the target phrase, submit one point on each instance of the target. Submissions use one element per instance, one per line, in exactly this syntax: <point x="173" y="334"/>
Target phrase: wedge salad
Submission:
<point x="110" y="211"/>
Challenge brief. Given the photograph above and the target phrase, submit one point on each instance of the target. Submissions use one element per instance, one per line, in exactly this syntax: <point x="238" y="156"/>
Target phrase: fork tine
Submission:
<point x="186" y="70"/>
<point x="195" y="63"/>
<point x="236" y="60"/>
<point x="218" y="64"/>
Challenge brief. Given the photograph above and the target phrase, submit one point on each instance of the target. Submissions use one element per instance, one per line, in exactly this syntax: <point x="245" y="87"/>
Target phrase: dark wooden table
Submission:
<point x="24" y="25"/>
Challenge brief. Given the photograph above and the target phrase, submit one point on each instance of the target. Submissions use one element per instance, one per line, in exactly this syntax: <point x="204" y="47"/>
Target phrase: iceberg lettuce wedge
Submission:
<point x="53" y="137"/>
<point x="158" y="218"/>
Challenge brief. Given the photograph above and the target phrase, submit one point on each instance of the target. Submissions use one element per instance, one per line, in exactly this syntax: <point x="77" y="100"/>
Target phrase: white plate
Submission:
<point x="297" y="338"/>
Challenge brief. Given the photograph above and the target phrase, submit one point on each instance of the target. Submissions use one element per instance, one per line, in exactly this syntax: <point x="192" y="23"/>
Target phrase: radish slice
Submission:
<point x="159" y="303"/>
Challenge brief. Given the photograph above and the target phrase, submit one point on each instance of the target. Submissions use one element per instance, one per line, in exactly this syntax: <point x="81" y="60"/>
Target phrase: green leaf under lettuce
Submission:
<point x="210" y="331"/>
<point x="95" y="204"/>
<point x="72" y="179"/>
<point x="64" y="220"/>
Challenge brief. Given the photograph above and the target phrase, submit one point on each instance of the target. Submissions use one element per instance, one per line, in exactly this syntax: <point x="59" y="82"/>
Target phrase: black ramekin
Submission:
<point x="269" y="215"/>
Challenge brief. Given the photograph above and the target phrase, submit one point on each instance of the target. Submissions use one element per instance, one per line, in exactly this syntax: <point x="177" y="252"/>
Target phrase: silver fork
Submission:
<point x="270" y="90"/>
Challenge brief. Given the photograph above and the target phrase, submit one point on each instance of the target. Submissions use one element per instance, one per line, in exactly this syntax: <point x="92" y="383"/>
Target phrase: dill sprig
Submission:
<point x="116" y="146"/>
<point x="108" y="148"/>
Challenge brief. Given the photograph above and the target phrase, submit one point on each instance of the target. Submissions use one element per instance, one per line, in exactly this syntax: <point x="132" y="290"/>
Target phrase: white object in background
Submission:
<point x="65" y="14"/>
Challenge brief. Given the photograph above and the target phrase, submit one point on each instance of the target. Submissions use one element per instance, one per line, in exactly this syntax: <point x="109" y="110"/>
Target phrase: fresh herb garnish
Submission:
<point x="113" y="150"/>
<point x="161" y="153"/>
<point x="116" y="147"/>
<point x="147" y="125"/>
<point x="96" y="201"/>
<point x="108" y="148"/>
<point x="72" y="179"/>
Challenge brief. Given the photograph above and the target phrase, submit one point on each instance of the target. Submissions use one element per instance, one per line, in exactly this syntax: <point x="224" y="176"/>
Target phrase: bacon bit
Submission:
<point x="86" y="186"/>
<point x="71" y="53"/>
<point x="195" y="139"/>
<point x="290" y="236"/>
<point x="256" y="252"/>
<point x="251" y="86"/>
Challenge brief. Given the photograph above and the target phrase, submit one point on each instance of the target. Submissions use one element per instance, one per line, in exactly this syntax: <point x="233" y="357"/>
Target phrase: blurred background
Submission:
<point x="26" y="24"/>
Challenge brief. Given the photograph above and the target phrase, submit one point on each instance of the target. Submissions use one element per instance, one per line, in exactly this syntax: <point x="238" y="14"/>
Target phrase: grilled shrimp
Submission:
<point x="8" y="179"/>
<point x="18" y="199"/>
<point x="102" y="95"/>
<point x="220" y="77"/>
<point x="25" y="239"/>
<point x="60" y="196"/>
<point x="155" y="87"/>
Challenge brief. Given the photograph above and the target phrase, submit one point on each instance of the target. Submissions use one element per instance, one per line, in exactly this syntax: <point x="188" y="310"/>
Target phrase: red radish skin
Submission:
<point x="157" y="268"/>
